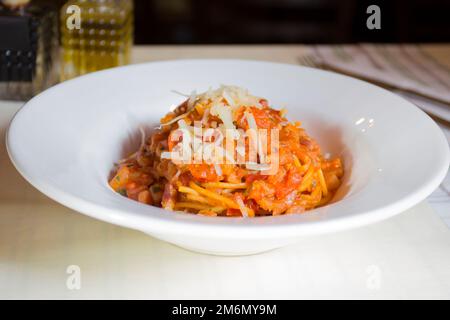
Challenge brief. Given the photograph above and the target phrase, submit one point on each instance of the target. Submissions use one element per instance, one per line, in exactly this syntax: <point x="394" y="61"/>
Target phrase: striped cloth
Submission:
<point x="408" y="71"/>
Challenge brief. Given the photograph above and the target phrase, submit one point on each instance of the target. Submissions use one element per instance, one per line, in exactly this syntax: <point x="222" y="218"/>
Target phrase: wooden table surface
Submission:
<point x="407" y="256"/>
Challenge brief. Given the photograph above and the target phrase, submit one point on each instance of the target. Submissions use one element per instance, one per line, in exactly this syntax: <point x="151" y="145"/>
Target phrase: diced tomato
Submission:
<point x="140" y="177"/>
<point x="173" y="139"/>
<point x="233" y="212"/>
<point x="145" y="197"/>
<point x="203" y="172"/>
<point x="264" y="103"/>
<point x="133" y="189"/>
<point x="240" y="119"/>
<point x="250" y="203"/>
<point x="120" y="179"/>
<point x="260" y="189"/>
<point x="332" y="181"/>
<point x="332" y="164"/>
<point x="185" y="177"/>
<point x="158" y="136"/>
<point x="236" y="175"/>
<point x="292" y="182"/>
<point x="262" y="119"/>
<point x="252" y="177"/>
<point x="278" y="177"/>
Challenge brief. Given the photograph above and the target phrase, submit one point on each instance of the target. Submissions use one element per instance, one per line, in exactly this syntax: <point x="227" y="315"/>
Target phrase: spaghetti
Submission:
<point x="303" y="179"/>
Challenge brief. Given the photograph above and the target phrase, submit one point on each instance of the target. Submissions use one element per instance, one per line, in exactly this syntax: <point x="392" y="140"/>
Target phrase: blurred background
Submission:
<point x="286" y="21"/>
<point x="40" y="44"/>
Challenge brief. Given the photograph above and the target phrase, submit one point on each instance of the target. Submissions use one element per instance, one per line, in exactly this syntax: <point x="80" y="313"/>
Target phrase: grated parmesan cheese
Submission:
<point x="218" y="169"/>
<point x="242" y="207"/>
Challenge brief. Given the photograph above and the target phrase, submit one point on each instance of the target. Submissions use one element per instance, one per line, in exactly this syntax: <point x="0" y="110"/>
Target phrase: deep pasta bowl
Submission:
<point x="66" y="140"/>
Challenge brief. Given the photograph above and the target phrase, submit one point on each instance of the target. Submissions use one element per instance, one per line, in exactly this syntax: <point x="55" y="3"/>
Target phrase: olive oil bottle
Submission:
<point x="95" y="35"/>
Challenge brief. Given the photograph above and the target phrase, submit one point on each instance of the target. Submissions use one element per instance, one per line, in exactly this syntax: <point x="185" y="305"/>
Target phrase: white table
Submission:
<point x="407" y="256"/>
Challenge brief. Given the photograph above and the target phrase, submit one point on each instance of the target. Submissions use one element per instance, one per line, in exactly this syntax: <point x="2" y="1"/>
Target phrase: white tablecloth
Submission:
<point x="405" y="257"/>
<point x="48" y="251"/>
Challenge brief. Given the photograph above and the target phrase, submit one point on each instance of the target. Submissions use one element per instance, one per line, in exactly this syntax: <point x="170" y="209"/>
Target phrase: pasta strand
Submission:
<point x="207" y="193"/>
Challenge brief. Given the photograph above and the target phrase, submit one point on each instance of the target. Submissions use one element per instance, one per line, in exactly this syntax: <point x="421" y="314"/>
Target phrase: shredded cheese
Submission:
<point x="192" y="99"/>
<point x="251" y="121"/>
<point x="242" y="207"/>
<point x="218" y="169"/>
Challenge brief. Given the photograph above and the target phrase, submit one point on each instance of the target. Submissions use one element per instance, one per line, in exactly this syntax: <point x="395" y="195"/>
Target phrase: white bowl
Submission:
<point x="66" y="140"/>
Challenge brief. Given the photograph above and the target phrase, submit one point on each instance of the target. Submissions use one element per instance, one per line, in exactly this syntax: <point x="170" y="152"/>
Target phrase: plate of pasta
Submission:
<point x="228" y="157"/>
<point x="226" y="152"/>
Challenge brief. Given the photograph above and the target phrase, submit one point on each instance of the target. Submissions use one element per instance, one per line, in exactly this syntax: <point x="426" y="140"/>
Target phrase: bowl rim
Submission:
<point x="284" y="226"/>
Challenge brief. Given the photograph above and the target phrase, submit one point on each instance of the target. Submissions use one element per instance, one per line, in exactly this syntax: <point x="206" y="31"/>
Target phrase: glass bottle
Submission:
<point x="28" y="48"/>
<point x="102" y="39"/>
